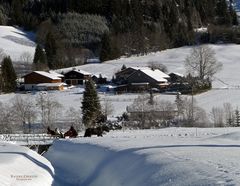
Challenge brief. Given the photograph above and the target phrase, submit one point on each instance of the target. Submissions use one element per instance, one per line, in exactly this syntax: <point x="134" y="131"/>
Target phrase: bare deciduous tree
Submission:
<point x="228" y="114"/>
<point x="75" y="118"/>
<point x="107" y="107"/>
<point x="24" y="111"/>
<point x="2" y="54"/>
<point x="217" y="117"/>
<point x="138" y="117"/>
<point x="202" y="62"/>
<point x="145" y="115"/>
<point x="26" y="58"/>
<point x="193" y="115"/>
<point x="50" y="109"/>
<point x="156" y="65"/>
<point x="6" y="119"/>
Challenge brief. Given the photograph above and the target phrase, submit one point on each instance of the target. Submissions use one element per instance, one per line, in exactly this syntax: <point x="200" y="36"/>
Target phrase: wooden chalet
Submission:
<point x="34" y="78"/>
<point x="146" y="78"/>
<point x="77" y="77"/>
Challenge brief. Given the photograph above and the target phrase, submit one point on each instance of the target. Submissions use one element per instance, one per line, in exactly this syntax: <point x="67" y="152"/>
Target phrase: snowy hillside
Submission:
<point x="20" y="166"/>
<point x="173" y="156"/>
<point x="174" y="60"/>
<point x="15" y="42"/>
<point x="226" y="84"/>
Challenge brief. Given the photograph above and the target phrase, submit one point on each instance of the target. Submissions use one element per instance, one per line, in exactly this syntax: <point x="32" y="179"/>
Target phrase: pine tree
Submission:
<point x="123" y="67"/>
<point x="105" y="49"/>
<point x="51" y="49"/>
<point x="91" y="108"/>
<point x="8" y="75"/>
<point x="17" y="12"/>
<point x="39" y="60"/>
<point x="223" y="16"/>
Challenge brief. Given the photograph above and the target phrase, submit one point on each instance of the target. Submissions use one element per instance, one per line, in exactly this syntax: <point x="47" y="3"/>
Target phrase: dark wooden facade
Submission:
<point x="76" y="77"/>
<point x="36" y="78"/>
<point x="121" y="77"/>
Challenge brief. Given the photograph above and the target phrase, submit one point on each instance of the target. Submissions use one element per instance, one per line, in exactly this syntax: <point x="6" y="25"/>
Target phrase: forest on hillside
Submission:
<point x="71" y="31"/>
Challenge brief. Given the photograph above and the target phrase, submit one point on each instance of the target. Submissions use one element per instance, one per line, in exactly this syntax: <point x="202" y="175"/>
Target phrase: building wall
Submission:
<point x="35" y="78"/>
<point x="140" y="77"/>
<point x="124" y="74"/>
<point x="30" y="86"/>
<point x="75" y="78"/>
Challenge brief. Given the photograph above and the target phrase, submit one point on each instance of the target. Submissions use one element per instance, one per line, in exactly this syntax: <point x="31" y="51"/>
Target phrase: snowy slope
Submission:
<point x="20" y="166"/>
<point x="174" y="60"/>
<point x="173" y="156"/>
<point x="14" y="41"/>
<point x="226" y="85"/>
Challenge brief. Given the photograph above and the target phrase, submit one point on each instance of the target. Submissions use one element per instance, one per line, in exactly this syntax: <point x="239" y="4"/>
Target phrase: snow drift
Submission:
<point x="21" y="166"/>
<point x="173" y="156"/>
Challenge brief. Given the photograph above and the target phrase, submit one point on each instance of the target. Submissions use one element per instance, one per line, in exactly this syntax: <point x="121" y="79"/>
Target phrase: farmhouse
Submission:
<point x="33" y="79"/>
<point x="77" y="77"/>
<point x="142" y="78"/>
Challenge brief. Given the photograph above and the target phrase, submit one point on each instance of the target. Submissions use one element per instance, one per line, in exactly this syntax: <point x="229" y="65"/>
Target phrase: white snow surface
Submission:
<point x="14" y="42"/>
<point x="172" y="156"/>
<point x="20" y="166"/>
<point x="226" y="84"/>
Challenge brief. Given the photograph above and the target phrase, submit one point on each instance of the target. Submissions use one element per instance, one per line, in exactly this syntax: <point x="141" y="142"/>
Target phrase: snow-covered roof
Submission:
<point x="156" y="74"/>
<point x="56" y="74"/>
<point x="176" y="73"/>
<point x="47" y="74"/>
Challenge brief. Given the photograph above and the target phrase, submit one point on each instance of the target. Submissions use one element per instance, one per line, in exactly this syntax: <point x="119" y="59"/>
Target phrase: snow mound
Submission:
<point x="149" y="157"/>
<point x="21" y="166"/>
<point x="85" y="164"/>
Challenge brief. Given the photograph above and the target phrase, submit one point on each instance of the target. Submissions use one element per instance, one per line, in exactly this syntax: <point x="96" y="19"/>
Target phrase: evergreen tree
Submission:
<point x="223" y="16"/>
<point x="51" y="50"/>
<point x="17" y="12"/>
<point x="105" y="53"/>
<point x="91" y="108"/>
<point x="123" y="67"/>
<point x="179" y="103"/>
<point x="8" y="75"/>
<point x="39" y="59"/>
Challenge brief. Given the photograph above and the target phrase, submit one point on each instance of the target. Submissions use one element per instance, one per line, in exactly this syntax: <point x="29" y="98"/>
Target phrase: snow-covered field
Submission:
<point x="20" y="166"/>
<point x="226" y="85"/>
<point x="172" y="156"/>
<point x="14" y="42"/>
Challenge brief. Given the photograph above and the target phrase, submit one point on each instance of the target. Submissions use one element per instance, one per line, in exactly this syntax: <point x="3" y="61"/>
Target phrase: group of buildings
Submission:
<point x="132" y="79"/>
